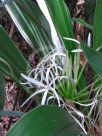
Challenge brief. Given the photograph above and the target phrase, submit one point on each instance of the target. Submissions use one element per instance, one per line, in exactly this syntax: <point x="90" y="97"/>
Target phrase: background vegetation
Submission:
<point x="65" y="85"/>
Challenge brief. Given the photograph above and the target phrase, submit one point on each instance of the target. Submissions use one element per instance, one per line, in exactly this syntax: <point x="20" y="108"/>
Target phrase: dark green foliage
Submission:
<point x="46" y="121"/>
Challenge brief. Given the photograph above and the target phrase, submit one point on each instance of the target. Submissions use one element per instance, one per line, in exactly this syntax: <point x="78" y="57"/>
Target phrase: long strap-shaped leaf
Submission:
<point x="11" y="113"/>
<point x="11" y="60"/>
<point x="94" y="58"/>
<point x="97" y="34"/>
<point x="32" y="25"/>
<point x="62" y="20"/>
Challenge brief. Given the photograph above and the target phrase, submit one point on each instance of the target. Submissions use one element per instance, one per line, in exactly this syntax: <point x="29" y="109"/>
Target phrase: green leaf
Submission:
<point x="10" y="57"/>
<point x="62" y="20"/>
<point x="94" y="58"/>
<point x="97" y="33"/>
<point x="2" y="91"/>
<point x="11" y="113"/>
<point x="45" y="121"/>
<point x="32" y="24"/>
<point x="84" y="23"/>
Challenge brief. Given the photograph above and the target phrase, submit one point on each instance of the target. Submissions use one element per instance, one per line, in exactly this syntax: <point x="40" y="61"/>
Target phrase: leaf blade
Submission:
<point x="97" y="33"/>
<point x="47" y="122"/>
<point x="94" y="58"/>
<point x="32" y="25"/>
<point x="62" y="20"/>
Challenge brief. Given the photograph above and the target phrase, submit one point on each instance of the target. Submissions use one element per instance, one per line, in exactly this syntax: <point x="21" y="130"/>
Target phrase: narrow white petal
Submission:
<point x="77" y="50"/>
<point x="33" y="81"/>
<point x="44" y="97"/>
<point x="89" y="40"/>
<point x="38" y="92"/>
<point x="71" y="39"/>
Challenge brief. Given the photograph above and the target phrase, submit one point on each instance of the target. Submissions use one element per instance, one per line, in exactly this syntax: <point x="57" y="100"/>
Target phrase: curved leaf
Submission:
<point x="62" y="20"/>
<point x="11" y="55"/>
<point x="45" y="121"/>
<point x="32" y="24"/>
<point x="84" y="23"/>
